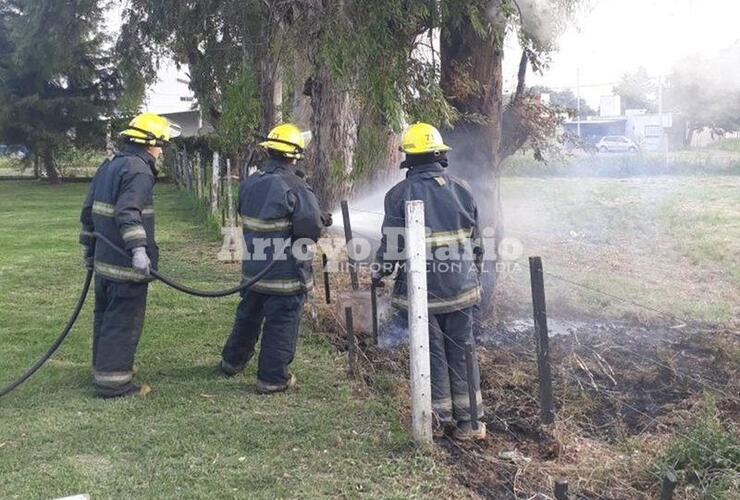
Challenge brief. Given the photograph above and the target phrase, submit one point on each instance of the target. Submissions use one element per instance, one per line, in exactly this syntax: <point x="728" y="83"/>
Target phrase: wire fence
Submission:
<point x="478" y="454"/>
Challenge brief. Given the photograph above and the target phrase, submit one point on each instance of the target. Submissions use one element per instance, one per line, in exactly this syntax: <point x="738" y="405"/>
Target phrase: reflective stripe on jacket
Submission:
<point x="278" y="208"/>
<point x="451" y="218"/>
<point x="119" y="205"/>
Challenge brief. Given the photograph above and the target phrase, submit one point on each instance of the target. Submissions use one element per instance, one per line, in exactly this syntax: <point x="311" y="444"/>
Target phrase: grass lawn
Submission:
<point x="671" y="243"/>
<point x="197" y="435"/>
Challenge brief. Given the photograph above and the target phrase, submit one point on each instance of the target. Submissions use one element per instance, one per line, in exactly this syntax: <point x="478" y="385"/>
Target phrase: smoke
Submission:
<point x="542" y="21"/>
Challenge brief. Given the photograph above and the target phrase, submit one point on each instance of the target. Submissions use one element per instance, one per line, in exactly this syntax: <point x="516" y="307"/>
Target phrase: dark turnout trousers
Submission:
<point x="277" y="318"/>
<point x="119" y="320"/>
<point x="448" y="335"/>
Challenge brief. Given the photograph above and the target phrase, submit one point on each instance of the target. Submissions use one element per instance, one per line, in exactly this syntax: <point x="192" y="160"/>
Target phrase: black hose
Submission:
<point x="57" y="342"/>
<point x="83" y="295"/>
<point x="186" y="289"/>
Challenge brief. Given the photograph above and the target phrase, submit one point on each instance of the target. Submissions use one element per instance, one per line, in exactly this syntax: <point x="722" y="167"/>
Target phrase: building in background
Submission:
<point x="172" y="98"/>
<point x="647" y="130"/>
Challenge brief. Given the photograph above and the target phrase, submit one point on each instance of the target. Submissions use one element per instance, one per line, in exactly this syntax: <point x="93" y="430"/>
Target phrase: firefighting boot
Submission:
<point x="465" y="432"/>
<point x="267" y="388"/>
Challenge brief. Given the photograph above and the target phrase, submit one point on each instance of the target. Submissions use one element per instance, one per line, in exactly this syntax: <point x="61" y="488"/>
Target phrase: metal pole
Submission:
<point x="351" y="348"/>
<point x="543" y="350"/>
<point x="470" y="368"/>
<point x="418" y="315"/>
<point x="350" y="251"/>
<point x="327" y="290"/>
<point x="561" y="489"/>
<point x="578" y="100"/>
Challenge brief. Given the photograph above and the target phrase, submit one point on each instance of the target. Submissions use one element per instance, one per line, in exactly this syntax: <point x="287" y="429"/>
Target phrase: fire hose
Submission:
<point x="86" y="288"/>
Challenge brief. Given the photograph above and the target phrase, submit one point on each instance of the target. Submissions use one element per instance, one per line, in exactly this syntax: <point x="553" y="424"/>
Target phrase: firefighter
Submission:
<point x="281" y="221"/>
<point x="454" y="254"/>
<point x="119" y="206"/>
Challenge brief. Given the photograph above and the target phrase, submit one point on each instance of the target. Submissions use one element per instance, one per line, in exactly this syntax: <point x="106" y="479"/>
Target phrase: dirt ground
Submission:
<point x="642" y="288"/>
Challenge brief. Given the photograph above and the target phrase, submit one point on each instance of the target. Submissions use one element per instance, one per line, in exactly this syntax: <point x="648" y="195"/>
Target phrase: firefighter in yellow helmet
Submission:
<point x="453" y="269"/>
<point x="119" y="205"/>
<point x="281" y="218"/>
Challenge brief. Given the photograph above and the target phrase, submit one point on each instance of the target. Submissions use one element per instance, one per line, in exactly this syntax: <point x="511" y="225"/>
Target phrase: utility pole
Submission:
<point x="663" y="138"/>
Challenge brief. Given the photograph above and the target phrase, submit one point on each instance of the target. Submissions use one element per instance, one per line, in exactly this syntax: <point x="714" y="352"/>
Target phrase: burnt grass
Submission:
<point x="621" y="391"/>
<point x="614" y="384"/>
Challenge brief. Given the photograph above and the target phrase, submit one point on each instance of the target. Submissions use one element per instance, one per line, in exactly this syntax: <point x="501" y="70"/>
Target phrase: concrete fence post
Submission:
<point x="421" y="384"/>
<point x="215" y="178"/>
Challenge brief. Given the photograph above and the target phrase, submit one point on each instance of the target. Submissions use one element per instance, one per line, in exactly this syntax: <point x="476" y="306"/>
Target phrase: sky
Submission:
<point x="608" y="38"/>
<point x="616" y="36"/>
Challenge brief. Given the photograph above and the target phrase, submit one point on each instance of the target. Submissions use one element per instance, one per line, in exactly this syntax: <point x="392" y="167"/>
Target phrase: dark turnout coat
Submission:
<point x="278" y="209"/>
<point x="454" y="246"/>
<point x="119" y="205"/>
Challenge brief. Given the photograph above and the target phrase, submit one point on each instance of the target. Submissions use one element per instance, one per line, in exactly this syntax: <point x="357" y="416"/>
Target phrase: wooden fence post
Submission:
<point x="472" y="396"/>
<point x="421" y="384"/>
<point x="668" y="486"/>
<point x="350" y="251"/>
<point x="186" y="169"/>
<point x="198" y="176"/>
<point x="374" y="311"/>
<point x="325" y="265"/>
<point x="547" y="414"/>
<point x="561" y="489"/>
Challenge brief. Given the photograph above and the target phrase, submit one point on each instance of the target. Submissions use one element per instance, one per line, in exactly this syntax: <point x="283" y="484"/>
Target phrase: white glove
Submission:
<point x="141" y="260"/>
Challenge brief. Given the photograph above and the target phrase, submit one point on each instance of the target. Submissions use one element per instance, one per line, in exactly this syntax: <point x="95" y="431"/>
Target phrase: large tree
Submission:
<point x="472" y="50"/>
<point x="637" y="90"/>
<point x="704" y="94"/>
<point x="229" y="49"/>
<point x="57" y="76"/>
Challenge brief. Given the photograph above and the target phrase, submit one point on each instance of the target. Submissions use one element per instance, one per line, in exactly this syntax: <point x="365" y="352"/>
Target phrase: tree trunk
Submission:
<point x="271" y="91"/>
<point x="471" y="79"/>
<point x="334" y="126"/>
<point x="52" y="174"/>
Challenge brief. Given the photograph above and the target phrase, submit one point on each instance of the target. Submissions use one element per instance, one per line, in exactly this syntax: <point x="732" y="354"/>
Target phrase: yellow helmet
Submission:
<point x="151" y="130"/>
<point x="422" y="138"/>
<point x="286" y="139"/>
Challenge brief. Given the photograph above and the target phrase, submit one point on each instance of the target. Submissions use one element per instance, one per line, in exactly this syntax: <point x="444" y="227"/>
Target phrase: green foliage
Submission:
<point x="565" y="100"/>
<point x="56" y="77"/>
<point x="79" y="162"/>
<point x="215" y="38"/>
<point x="637" y="90"/>
<point x="706" y="454"/>
<point x="372" y="142"/>
<point x="732" y="145"/>
<point x="701" y="88"/>
<point x="240" y="119"/>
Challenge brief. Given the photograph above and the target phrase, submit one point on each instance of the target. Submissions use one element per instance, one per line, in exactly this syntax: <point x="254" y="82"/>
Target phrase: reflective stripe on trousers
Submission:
<point x="119" y="319"/>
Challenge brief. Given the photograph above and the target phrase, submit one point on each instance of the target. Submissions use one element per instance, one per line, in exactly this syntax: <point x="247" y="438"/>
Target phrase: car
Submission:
<point x="616" y="144"/>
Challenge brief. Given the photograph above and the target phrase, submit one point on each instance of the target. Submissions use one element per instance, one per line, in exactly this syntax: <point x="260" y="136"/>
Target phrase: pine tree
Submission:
<point x="57" y="76"/>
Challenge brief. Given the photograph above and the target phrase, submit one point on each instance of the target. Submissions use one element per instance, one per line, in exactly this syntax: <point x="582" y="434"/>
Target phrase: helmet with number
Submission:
<point x="151" y="130"/>
<point x="286" y="139"/>
<point x="421" y="138"/>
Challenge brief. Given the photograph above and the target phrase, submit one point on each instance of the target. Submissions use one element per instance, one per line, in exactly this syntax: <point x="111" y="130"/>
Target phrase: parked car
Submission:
<point x="616" y="144"/>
